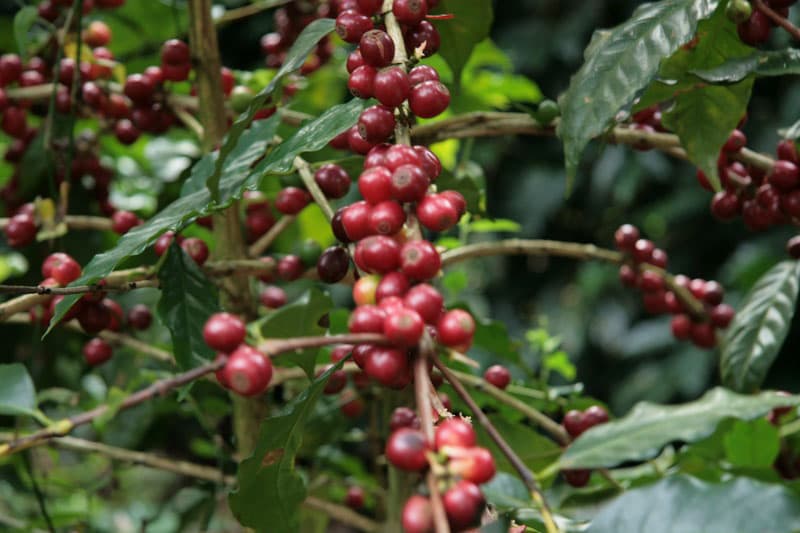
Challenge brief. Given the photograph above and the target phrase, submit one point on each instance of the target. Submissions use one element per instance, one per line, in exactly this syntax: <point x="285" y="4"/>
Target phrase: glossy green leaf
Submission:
<point x="687" y="504"/>
<point x="643" y="432"/>
<point x="298" y="319"/>
<point x="760" y="64"/>
<point x="269" y="489"/>
<point x="23" y="22"/>
<point x="752" y="444"/>
<point x="703" y="116"/>
<point x="506" y="492"/>
<point x="758" y="330"/>
<point x="17" y="393"/>
<point x="305" y="43"/>
<point x="620" y="63"/>
<point x="470" y="25"/>
<point x="188" y="298"/>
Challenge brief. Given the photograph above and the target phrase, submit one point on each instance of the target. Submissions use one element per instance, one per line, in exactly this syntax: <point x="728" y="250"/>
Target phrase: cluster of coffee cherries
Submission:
<point x="576" y="423"/>
<point x="657" y="296"/>
<point x="753" y="26"/>
<point x="94" y="312"/>
<point x="247" y="371"/>
<point x="459" y="464"/>
<point x="55" y="10"/>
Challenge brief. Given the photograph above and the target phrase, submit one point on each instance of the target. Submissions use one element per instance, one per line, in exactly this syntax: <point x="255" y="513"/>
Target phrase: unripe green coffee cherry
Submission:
<point x="241" y="97"/>
<point x="738" y="11"/>
<point x="547" y="112"/>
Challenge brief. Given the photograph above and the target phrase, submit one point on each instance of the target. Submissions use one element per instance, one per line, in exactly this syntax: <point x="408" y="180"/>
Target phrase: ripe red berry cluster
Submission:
<point x="575" y="423"/>
<point x="753" y="26"/>
<point x="658" y="298"/>
<point x="247" y="371"/>
<point x="195" y="247"/>
<point x="289" y="21"/>
<point x="460" y="464"/>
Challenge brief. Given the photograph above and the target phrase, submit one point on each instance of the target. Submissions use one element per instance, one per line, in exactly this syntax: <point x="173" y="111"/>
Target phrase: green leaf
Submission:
<point x="306" y="42"/>
<point x="620" y="63"/>
<point x="298" y="319"/>
<point x="470" y="25"/>
<point x="506" y="492"/>
<point x="752" y="444"/>
<point x="17" y="393"/>
<point x="703" y="116"/>
<point x="23" y="22"/>
<point x="198" y="203"/>
<point x="760" y="64"/>
<point x="649" y="427"/>
<point x="496" y="225"/>
<point x="269" y="490"/>
<point x="188" y="298"/>
<point x="686" y="504"/>
<point x="535" y="450"/>
<point x="758" y="330"/>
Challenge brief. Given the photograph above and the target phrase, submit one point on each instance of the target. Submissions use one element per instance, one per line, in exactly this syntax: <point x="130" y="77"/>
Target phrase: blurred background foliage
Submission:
<point x="573" y="317"/>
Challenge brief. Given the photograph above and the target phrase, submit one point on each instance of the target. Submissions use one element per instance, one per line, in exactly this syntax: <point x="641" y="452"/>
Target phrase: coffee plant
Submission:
<point x="241" y="299"/>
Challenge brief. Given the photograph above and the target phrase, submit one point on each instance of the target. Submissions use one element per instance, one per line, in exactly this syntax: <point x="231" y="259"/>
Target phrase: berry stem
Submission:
<point x="307" y="175"/>
<point x="783" y="22"/>
<point x="527" y="476"/>
<point x="266" y="240"/>
<point x="402" y="131"/>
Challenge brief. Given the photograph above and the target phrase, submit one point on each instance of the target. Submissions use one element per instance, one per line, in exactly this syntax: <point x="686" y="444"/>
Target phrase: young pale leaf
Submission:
<point x="470" y="25"/>
<point x="302" y="47"/>
<point x="298" y="319"/>
<point x="683" y="503"/>
<point x="649" y="427"/>
<point x="620" y="63"/>
<point x="17" y="393"/>
<point x="759" y="64"/>
<point x="758" y="330"/>
<point x="269" y="474"/>
<point x="188" y="298"/>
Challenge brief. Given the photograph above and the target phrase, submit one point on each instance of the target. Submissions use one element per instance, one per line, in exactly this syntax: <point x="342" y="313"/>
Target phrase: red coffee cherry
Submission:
<point x="377" y="254"/>
<point x="333" y="264"/>
<point x="703" y="335"/>
<point x="357" y="143"/>
<point x="398" y="155"/>
<point x="419" y="260"/>
<point x="392" y="284"/>
<point x="20" y="230"/>
<point x="755" y="30"/>
<point x="681" y="327"/>
<point x="140" y="317"/>
<point x="406" y="449"/>
<point x="722" y="315"/>
<point x="362" y="81"/>
<point x="456" y="328"/>
<point x="175" y="53"/>
<point x="377" y="48"/>
<point x="176" y="72"/>
<point x="404" y="327"/>
<point x="409" y="183"/>
<point x="386" y="218"/>
<point x="97" y="351"/>
<point x="376" y="124"/>
<point x="577" y="478"/>
<point x="625" y="237"/>
<point x="426" y="34"/>
<point x="352" y="404"/>
<point x="248" y="371"/>
<point x="432" y="166"/>
<point x="10" y="68"/>
<point x="224" y="332"/>
<point x="429" y="99"/>
<point x="62" y="268"/>
<point x="425" y="300"/>
<point x="403" y="417"/>
<point x="139" y="88"/>
<point x="417" y="515"/>
<point x="292" y="200"/>
<point x="354" y="498"/>
<point x="736" y="141"/>
<point x="410" y="12"/>
<point x="473" y="464"/>
<point x="375" y="185"/>
<point x="391" y="86"/>
<point x="574" y="423"/>
<point x="498" y="375"/>
<point x="463" y="504"/>
<point x="422" y="73"/>
<point x="366" y="319"/>
<point x="332" y="180"/>
<point x="437" y="213"/>
<point x="272" y="297"/>
<point x="388" y="366"/>
<point x="351" y="26"/>
<point x="197" y="249"/>
<point x="454" y="432"/>
<point x="355" y="221"/>
<point x="14" y="122"/>
<point x="354" y="60"/>
<point x="595" y="415"/>
<point x="643" y="250"/>
<point x="290" y="267"/>
<point x="93" y="317"/>
<point x="726" y="205"/>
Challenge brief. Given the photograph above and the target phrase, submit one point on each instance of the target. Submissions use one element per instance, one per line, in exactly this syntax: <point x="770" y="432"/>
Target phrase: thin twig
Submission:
<point x="266" y="240"/>
<point x="777" y="19"/>
<point x="523" y="471"/>
<point x="77" y="222"/>
<point x="307" y="176"/>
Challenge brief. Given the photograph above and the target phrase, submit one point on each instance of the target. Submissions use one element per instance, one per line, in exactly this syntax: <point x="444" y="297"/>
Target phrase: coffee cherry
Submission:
<point x="392" y="284"/>
<point x="197" y="249"/>
<point x="248" y="371"/>
<point x="388" y="366"/>
<point x="404" y="328"/>
<point x="577" y="478"/>
<point x="787" y="151"/>
<point x="366" y="319"/>
<point x="574" y="423"/>
<point x="97" y="351"/>
<point x="292" y="200"/>
<point x="474" y="464"/>
<point x="429" y="99"/>
<point x="337" y="226"/>
<point x="456" y="328"/>
<point x="681" y="327"/>
<point x="425" y="34"/>
<point x="437" y="213"/>
<point x="332" y="180"/>
<point x="51" y="260"/>
<point x="425" y="300"/>
<point x="417" y="515"/>
<point x="454" y="432"/>
<point x="14" y="122"/>
<point x="755" y="30"/>
<point x="398" y="155"/>
<point x="93" y="317"/>
<point x="725" y="205"/>
<point x="643" y="250"/>
<point x="463" y="504"/>
<point x="375" y="185"/>
<point x="351" y="26"/>
<point x="176" y="72"/>
<point x="139" y="88"/>
<point x="20" y="231"/>
<point x="290" y="267"/>
<point x="595" y="415"/>
<point x="432" y="166"/>
<point x="354" y="498"/>
<point x="124" y="221"/>
<point x="651" y="281"/>
<point x="357" y="143"/>
<point x="498" y="375"/>
<point x="406" y="449"/>
<point x="360" y="353"/>
<point x="140" y="317"/>
<point x="365" y="289"/>
<point x="391" y="86"/>
<point x="175" y="52"/>
<point x="410" y="12"/>
<point x="419" y="260"/>
<point x="625" y="237"/>
<point x="333" y="264"/>
<point x="377" y="48"/>
<point x="362" y="81"/>
<point x="386" y="218"/>
<point x="376" y="124"/>
<point x="377" y="254"/>
<point x="422" y="73"/>
<point x="703" y="335"/>
<point x="336" y="382"/>
<point x="224" y="332"/>
<point x="272" y="297"/>
<point x="64" y="269"/>
<point x="340" y="352"/>
<point x="738" y="11"/>
<point x="409" y="183"/>
<point x="352" y="405"/>
<point x="721" y="315"/>
<point x="10" y="68"/>
<point x="354" y="60"/>
<point x="403" y="417"/>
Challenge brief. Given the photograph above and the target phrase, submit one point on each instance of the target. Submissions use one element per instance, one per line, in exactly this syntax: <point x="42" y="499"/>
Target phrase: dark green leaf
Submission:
<point x="506" y="492"/>
<point x="269" y="490"/>
<point x="760" y="63"/>
<point x="649" y="427"/>
<point x="295" y="58"/>
<point x="687" y="504"/>
<point x="298" y="319"/>
<point x="460" y="35"/>
<point x="535" y="450"/>
<point x="758" y="330"/>
<point x="188" y="298"/>
<point x="23" y="22"/>
<point x="492" y="337"/>
<point x="620" y="63"/>
<point x="35" y="166"/>
<point x="754" y="444"/>
<point x="17" y="393"/>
